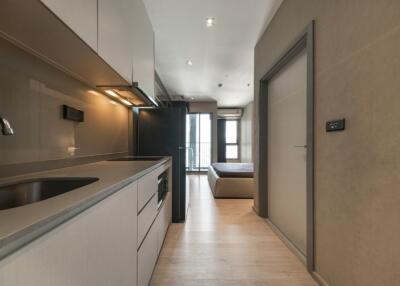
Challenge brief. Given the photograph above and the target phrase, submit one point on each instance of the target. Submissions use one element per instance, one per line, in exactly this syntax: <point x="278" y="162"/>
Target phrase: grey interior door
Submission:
<point x="287" y="153"/>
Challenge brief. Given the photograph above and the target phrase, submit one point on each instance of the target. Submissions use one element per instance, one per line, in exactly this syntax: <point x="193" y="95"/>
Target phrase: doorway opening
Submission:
<point x="198" y="142"/>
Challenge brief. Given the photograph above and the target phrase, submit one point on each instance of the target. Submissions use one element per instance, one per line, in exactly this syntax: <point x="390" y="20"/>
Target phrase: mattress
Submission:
<point x="234" y="170"/>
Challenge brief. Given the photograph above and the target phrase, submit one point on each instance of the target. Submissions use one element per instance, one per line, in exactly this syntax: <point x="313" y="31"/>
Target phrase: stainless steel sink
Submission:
<point x="35" y="190"/>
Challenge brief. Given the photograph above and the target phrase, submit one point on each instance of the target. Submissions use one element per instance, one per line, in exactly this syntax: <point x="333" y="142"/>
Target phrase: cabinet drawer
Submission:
<point x="147" y="257"/>
<point x="146" y="218"/>
<point x="164" y="220"/>
<point x="147" y="187"/>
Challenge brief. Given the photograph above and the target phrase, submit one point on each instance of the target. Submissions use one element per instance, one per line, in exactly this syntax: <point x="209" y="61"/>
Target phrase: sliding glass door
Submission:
<point x="198" y="141"/>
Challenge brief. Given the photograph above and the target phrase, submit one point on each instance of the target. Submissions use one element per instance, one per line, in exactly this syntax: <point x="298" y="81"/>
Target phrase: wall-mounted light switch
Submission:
<point x="336" y="125"/>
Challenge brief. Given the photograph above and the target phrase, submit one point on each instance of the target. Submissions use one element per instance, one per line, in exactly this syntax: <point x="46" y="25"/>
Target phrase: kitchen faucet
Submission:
<point x="6" y="128"/>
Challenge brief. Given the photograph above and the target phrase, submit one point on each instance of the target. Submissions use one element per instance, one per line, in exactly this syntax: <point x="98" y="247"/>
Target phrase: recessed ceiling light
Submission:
<point x="93" y="92"/>
<point x="192" y="98"/>
<point x="112" y="93"/>
<point x="210" y="22"/>
<point x="220" y="85"/>
<point x="189" y="62"/>
<point x="124" y="101"/>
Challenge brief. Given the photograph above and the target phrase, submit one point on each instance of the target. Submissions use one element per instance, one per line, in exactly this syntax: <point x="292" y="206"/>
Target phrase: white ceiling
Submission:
<point x="221" y="54"/>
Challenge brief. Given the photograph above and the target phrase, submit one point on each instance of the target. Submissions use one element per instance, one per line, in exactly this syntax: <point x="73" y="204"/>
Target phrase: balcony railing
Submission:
<point x="198" y="156"/>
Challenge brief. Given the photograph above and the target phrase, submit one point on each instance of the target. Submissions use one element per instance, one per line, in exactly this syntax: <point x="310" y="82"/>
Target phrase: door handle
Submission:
<point x="300" y="146"/>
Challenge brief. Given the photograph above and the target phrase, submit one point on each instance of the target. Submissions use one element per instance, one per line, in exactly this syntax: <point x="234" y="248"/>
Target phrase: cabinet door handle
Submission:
<point x="300" y="146"/>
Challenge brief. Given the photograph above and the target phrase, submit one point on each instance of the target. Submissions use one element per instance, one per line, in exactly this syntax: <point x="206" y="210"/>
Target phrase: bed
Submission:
<point x="231" y="180"/>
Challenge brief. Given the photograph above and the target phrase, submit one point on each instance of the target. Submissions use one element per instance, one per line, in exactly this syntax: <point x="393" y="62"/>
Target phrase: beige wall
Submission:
<point x="246" y="133"/>
<point x="31" y="95"/>
<point x="357" y="171"/>
<point x="211" y="107"/>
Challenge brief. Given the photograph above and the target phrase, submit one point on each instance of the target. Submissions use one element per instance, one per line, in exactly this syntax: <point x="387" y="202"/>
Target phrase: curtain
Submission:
<point x="221" y="140"/>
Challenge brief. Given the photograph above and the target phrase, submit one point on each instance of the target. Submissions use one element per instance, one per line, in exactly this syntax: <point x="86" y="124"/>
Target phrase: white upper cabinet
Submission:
<point x="115" y="35"/>
<point x="79" y="15"/>
<point x="120" y="32"/>
<point x="143" y="48"/>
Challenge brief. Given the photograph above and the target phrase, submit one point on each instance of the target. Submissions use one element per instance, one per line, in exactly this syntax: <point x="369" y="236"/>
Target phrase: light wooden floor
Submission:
<point x="223" y="242"/>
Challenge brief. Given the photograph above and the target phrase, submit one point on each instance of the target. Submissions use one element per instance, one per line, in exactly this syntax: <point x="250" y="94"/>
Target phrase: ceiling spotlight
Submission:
<point x="189" y="62"/>
<point x="112" y="93"/>
<point x="210" y="22"/>
<point x="220" y="85"/>
<point x="124" y="101"/>
<point x="93" y="92"/>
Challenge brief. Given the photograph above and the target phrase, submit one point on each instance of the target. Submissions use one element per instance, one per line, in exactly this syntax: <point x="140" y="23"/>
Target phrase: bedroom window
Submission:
<point x="231" y="140"/>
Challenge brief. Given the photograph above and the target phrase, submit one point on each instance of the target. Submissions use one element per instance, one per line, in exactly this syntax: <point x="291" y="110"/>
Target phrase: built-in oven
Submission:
<point x="162" y="187"/>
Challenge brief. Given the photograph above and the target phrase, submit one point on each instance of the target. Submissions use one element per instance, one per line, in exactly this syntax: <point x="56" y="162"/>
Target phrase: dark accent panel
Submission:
<point x="73" y="114"/>
<point x="263" y="154"/>
<point x="221" y="140"/>
<point x="133" y="128"/>
<point x="161" y="132"/>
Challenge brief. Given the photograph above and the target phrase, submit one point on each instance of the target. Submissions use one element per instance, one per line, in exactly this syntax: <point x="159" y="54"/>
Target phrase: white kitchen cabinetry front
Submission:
<point x="164" y="220"/>
<point x="115" y="35"/>
<point x="147" y="187"/>
<point x="143" y="48"/>
<point x="97" y="247"/>
<point x="151" y="245"/>
<point x="153" y="223"/>
<point x="146" y="218"/>
<point x="147" y="257"/>
<point x="120" y="32"/>
<point x="79" y="15"/>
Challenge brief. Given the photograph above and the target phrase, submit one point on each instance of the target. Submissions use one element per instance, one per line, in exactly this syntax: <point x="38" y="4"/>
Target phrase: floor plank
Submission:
<point x="223" y="242"/>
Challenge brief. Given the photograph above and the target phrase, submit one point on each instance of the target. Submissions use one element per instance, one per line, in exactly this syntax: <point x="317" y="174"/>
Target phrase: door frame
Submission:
<point x="305" y="41"/>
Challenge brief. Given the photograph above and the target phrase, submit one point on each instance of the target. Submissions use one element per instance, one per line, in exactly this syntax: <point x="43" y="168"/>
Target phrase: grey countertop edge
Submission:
<point x="16" y="241"/>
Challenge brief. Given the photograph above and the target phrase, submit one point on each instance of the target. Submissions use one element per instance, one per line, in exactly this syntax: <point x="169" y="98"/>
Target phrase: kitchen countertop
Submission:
<point x="21" y="225"/>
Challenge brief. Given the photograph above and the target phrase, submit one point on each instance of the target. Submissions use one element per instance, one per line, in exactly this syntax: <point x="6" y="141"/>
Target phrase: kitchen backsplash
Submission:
<point x="31" y="95"/>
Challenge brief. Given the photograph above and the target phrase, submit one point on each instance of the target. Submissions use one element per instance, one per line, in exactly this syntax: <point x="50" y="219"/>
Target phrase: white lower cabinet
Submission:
<point x="151" y="246"/>
<point x="147" y="256"/>
<point x="147" y="187"/>
<point x="146" y="218"/>
<point x="163" y="221"/>
<point x="95" y="248"/>
<point x="107" y="244"/>
<point x="153" y="223"/>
